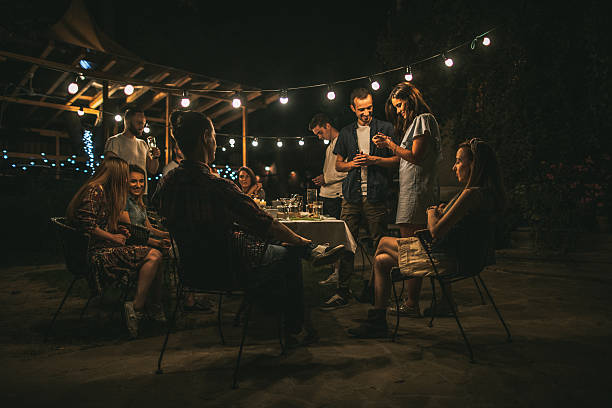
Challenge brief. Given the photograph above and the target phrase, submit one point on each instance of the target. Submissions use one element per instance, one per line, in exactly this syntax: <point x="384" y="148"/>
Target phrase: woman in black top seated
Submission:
<point x="458" y="230"/>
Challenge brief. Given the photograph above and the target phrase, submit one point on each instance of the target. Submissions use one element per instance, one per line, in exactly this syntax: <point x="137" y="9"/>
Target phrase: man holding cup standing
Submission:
<point x="129" y="147"/>
<point x="366" y="185"/>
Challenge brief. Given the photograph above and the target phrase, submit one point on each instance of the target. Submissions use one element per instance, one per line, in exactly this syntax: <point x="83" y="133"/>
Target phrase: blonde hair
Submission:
<point x="112" y="176"/>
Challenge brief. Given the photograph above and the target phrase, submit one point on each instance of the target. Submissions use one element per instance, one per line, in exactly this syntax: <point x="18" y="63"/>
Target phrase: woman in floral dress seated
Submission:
<point x="95" y="209"/>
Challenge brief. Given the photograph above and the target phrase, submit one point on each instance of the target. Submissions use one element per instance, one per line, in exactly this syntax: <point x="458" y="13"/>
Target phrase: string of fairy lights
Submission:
<point x="238" y="100"/>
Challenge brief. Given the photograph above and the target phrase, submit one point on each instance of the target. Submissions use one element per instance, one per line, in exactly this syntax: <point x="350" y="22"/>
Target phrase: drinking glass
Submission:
<point x="318" y="208"/>
<point x="311" y="197"/>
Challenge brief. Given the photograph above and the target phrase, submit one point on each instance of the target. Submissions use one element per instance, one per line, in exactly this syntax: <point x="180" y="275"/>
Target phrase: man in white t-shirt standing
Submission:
<point x="129" y="147"/>
<point x="331" y="179"/>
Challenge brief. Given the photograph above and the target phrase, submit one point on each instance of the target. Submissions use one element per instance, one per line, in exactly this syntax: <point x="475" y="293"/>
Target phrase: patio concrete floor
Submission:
<point x="558" y="310"/>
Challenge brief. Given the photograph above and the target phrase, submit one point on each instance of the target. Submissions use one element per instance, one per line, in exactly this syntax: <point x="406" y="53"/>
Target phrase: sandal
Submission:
<point x="406" y="310"/>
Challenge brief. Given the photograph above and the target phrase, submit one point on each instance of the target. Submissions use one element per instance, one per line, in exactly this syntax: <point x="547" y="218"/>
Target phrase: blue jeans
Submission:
<point x="279" y="277"/>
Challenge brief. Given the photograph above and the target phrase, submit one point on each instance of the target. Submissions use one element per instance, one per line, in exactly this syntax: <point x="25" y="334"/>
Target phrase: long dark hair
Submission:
<point x="251" y="174"/>
<point x="484" y="170"/>
<point x="415" y="105"/>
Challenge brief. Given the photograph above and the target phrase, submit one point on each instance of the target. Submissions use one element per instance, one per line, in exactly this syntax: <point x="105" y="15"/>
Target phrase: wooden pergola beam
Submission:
<point x="33" y="68"/>
<point x="47" y="105"/>
<point x="161" y="95"/>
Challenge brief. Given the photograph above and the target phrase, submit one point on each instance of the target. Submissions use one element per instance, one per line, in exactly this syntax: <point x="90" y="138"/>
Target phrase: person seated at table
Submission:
<point x="456" y="231"/>
<point x="136" y="212"/>
<point x="223" y="236"/>
<point x="249" y="184"/>
<point x="95" y="209"/>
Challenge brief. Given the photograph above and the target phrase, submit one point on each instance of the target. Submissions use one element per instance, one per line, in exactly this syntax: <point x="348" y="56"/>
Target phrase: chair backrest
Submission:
<point x="75" y="245"/>
<point x="478" y="249"/>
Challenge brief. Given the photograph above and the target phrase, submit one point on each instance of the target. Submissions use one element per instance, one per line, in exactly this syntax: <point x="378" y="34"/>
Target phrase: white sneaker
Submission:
<point x="132" y="318"/>
<point x="332" y="279"/>
<point x="325" y="255"/>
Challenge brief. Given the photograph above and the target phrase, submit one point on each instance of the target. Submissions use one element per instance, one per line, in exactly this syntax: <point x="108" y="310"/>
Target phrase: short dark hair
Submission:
<point x="130" y="112"/>
<point x="188" y="127"/>
<point x="359" y="93"/>
<point x="320" y="119"/>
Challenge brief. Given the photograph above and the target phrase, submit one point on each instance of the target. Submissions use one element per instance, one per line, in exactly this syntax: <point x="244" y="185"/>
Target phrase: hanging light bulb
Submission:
<point x="301" y="142"/>
<point x="147" y="129"/>
<point x="447" y="61"/>
<point x="486" y="41"/>
<point x="374" y="84"/>
<point x="331" y="95"/>
<point x="223" y="149"/>
<point x="73" y="87"/>
<point x="408" y="75"/>
<point x="279" y="143"/>
<point x="129" y="89"/>
<point x="118" y="117"/>
<point x="284" y="98"/>
<point x="237" y="101"/>
<point x="255" y="142"/>
<point x="232" y="141"/>
<point x="325" y="141"/>
<point x="80" y="112"/>
<point x="185" y="100"/>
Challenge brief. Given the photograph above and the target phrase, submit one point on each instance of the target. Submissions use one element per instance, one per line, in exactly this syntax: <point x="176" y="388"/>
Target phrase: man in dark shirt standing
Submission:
<point x="366" y="185"/>
<point x="222" y="235"/>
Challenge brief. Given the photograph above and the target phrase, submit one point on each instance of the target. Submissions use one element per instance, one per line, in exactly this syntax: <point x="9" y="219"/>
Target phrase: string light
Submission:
<point x="147" y="129"/>
<point x="85" y="64"/>
<point x="301" y="142"/>
<point x="89" y="149"/>
<point x="129" y="89"/>
<point x="223" y="149"/>
<point x="331" y="95"/>
<point x="237" y="101"/>
<point x="255" y="143"/>
<point x="279" y="143"/>
<point x="118" y="117"/>
<point x="284" y="98"/>
<point x="325" y="141"/>
<point x="408" y="75"/>
<point x="185" y="100"/>
<point x="73" y="87"/>
<point x="486" y="41"/>
<point x="80" y="112"/>
<point x="374" y="84"/>
<point x="448" y="61"/>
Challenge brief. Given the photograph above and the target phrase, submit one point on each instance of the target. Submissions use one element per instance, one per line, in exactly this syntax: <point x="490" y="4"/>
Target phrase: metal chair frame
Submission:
<point x="444" y="280"/>
<point x="79" y="265"/>
<point x="245" y="308"/>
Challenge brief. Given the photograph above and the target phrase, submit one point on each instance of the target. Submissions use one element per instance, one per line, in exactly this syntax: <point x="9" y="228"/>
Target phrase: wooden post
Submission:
<point x="167" y="141"/>
<point x="244" y="133"/>
<point x="105" y="129"/>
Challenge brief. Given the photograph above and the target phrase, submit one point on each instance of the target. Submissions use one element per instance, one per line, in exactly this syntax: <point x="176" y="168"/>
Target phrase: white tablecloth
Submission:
<point x="332" y="231"/>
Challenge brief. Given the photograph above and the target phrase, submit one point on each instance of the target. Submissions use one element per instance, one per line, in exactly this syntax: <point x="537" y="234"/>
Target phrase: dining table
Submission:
<point x="322" y="230"/>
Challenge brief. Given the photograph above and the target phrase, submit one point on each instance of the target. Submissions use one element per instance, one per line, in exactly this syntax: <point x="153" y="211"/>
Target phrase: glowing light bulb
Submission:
<point x="279" y="143"/>
<point x="146" y="129"/>
<point x="223" y="149"/>
<point x="185" y="102"/>
<point x="408" y="75"/>
<point x="486" y="41"/>
<point x="326" y="141"/>
<point x="284" y="98"/>
<point x="236" y="103"/>
<point x="118" y="117"/>
<point x="232" y="141"/>
<point x="80" y="112"/>
<point x="255" y="143"/>
<point x="73" y="88"/>
<point x="448" y="62"/>
<point x="129" y="89"/>
<point x="301" y="142"/>
<point x="375" y="85"/>
<point x="331" y="95"/>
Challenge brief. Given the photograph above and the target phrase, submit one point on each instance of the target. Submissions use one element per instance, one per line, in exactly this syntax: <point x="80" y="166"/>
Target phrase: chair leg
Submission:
<point x="432" y="306"/>
<point x="501" y="319"/>
<point x="219" y="322"/>
<point x="58" y="309"/>
<point x="449" y="301"/>
<point x="281" y="333"/>
<point x="85" y="307"/>
<point x="171" y="324"/>
<point x="397" y="310"/>
<point x="244" y="332"/>
<point x="482" y="299"/>
<point x="239" y="313"/>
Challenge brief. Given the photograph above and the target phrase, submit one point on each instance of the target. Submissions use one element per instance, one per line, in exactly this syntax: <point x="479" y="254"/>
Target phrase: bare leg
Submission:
<point x="413" y="286"/>
<point x="146" y="276"/>
<point x="385" y="259"/>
